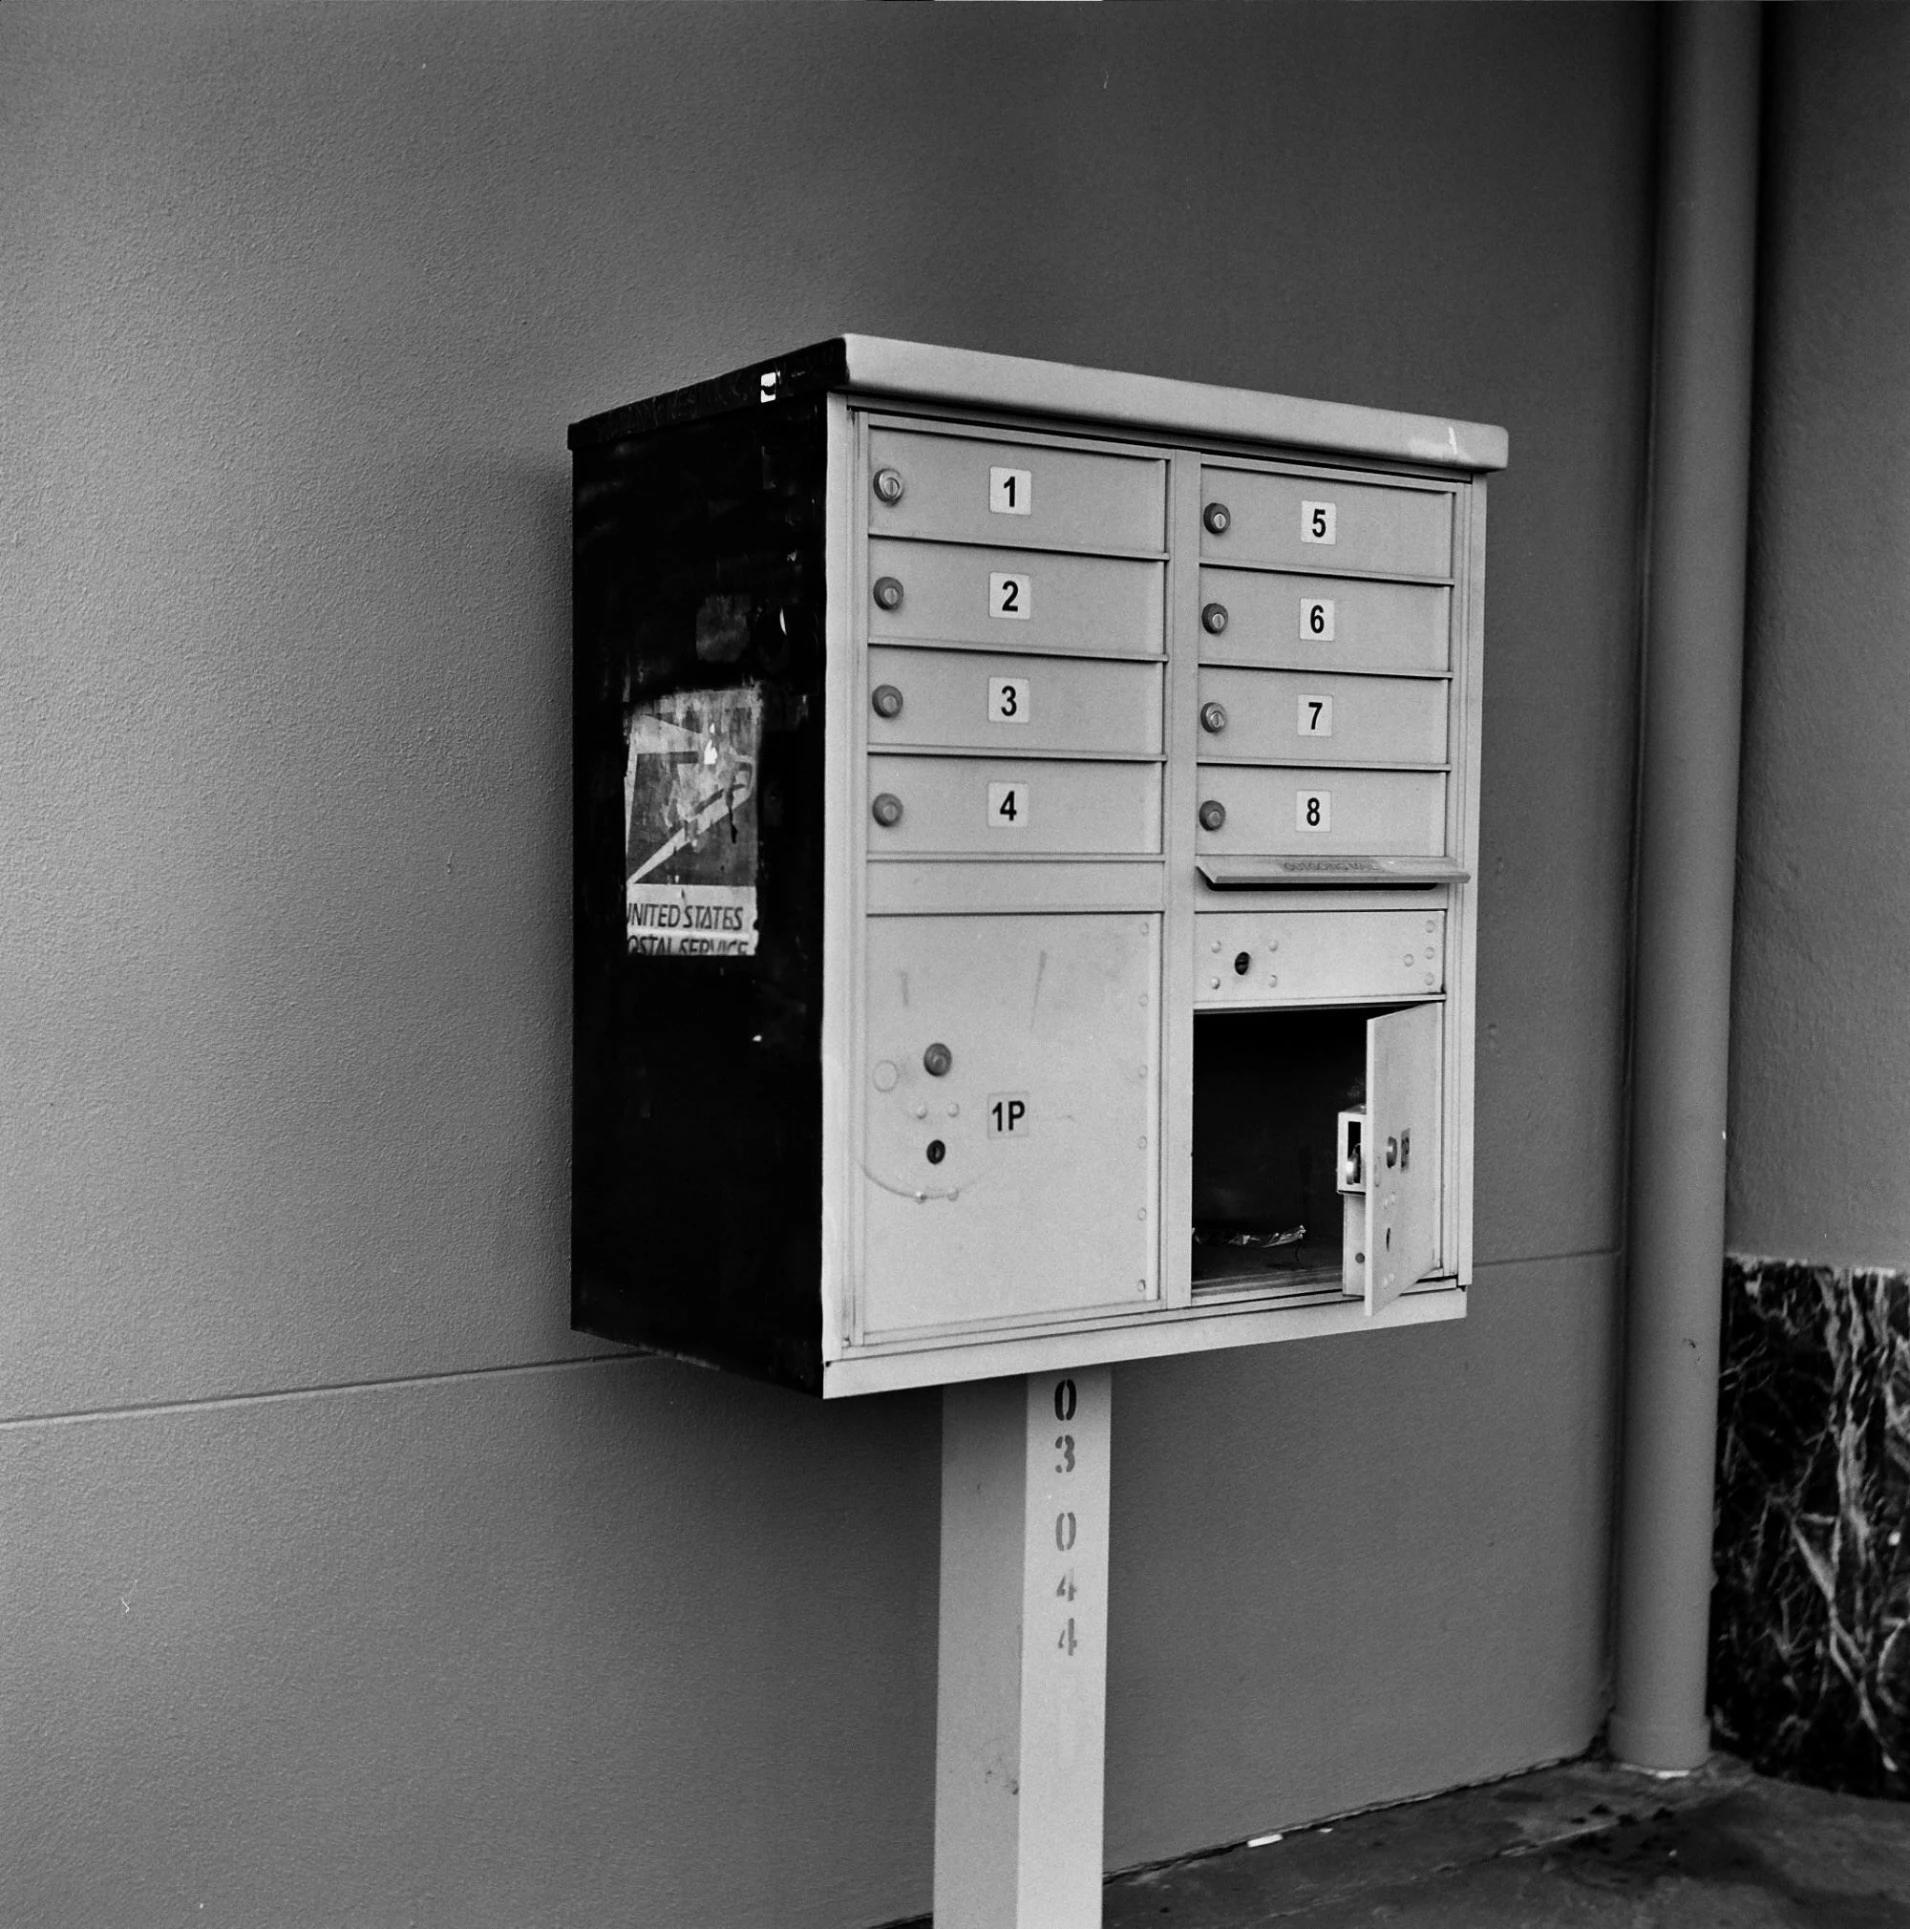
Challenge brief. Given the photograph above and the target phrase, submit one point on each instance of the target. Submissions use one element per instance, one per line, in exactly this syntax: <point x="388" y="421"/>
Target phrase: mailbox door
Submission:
<point x="1018" y="1182"/>
<point x="1403" y="1158"/>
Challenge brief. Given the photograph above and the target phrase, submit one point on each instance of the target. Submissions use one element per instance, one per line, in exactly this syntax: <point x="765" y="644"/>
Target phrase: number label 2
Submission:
<point x="1313" y="810"/>
<point x="1316" y="618"/>
<point x="1011" y="492"/>
<point x="1008" y="699"/>
<point x="1012" y="597"/>
<point x="1316" y="522"/>
<point x="1008" y="807"/>
<point x="1316" y="718"/>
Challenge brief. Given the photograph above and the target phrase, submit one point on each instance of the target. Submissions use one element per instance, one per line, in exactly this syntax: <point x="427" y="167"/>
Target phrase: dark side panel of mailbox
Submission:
<point x="698" y="755"/>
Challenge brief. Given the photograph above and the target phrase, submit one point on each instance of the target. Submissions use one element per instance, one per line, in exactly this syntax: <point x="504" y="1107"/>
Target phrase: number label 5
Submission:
<point x="1313" y="810"/>
<point x="1007" y="699"/>
<point x="1008" y="807"/>
<point x="1011" y="492"/>
<point x="1316" y="718"/>
<point x="1011" y="596"/>
<point x="1316" y="522"/>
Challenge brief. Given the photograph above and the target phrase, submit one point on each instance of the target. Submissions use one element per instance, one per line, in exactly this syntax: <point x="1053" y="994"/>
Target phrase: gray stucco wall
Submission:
<point x="340" y="1582"/>
<point x="1820" y="1076"/>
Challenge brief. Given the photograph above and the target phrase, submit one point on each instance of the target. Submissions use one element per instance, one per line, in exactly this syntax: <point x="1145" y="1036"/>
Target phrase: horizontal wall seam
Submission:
<point x="137" y="1410"/>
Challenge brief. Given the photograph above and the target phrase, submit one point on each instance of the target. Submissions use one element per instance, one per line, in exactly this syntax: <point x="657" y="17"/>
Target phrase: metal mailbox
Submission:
<point x="1026" y="819"/>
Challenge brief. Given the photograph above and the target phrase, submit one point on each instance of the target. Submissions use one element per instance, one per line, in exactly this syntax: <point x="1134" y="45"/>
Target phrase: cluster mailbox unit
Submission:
<point x="1026" y="828"/>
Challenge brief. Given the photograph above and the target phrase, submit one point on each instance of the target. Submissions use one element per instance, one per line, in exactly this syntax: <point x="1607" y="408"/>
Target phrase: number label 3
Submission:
<point x="1011" y="596"/>
<point x="1008" y="699"/>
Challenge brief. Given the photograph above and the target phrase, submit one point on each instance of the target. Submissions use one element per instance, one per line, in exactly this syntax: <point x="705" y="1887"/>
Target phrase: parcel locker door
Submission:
<point x="1009" y="1084"/>
<point x="1403" y="1162"/>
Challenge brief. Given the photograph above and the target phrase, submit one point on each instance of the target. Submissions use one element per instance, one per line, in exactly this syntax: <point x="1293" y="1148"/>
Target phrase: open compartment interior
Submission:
<point x="1269" y="1088"/>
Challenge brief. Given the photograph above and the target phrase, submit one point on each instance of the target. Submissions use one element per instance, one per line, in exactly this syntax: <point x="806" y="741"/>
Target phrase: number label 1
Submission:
<point x="1316" y="615"/>
<point x="1011" y="596"/>
<point x="1316" y="718"/>
<point x="1008" y="1116"/>
<point x="1313" y="810"/>
<point x="1316" y="522"/>
<point x="1008" y="699"/>
<point x="1008" y="806"/>
<point x="1011" y="492"/>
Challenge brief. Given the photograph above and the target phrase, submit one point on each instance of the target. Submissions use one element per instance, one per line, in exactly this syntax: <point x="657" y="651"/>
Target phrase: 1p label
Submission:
<point x="1008" y="1115"/>
<point x="1011" y="492"/>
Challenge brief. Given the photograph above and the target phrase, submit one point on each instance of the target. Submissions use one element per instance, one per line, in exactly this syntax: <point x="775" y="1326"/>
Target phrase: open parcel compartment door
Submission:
<point x="1403" y="1151"/>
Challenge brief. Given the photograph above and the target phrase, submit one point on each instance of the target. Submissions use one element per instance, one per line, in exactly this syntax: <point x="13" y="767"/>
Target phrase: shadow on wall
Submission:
<point x="1810" y="1667"/>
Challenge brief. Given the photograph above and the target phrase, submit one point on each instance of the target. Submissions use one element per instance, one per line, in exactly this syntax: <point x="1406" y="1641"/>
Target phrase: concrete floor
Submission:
<point x="1584" y="1846"/>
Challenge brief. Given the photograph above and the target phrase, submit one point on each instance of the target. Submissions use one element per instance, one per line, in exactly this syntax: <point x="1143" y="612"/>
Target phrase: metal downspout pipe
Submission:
<point x="1687" y="849"/>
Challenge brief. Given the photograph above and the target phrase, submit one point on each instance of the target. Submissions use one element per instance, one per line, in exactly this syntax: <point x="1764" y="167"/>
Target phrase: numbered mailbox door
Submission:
<point x="1008" y="1088"/>
<point x="1403" y="1153"/>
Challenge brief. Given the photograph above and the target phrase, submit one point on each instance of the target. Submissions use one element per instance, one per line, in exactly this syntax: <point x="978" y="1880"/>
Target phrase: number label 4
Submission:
<point x="1008" y="699"/>
<point x="1011" y="596"/>
<point x="1316" y="718"/>
<point x="1011" y="492"/>
<point x="1008" y="807"/>
<point x="1316" y="522"/>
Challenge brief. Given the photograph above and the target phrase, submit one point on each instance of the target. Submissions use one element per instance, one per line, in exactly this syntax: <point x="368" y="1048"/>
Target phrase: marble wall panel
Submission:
<point x="1810" y="1615"/>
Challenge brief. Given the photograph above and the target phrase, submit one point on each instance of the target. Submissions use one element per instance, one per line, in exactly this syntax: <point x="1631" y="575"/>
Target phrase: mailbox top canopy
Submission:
<point x="875" y="368"/>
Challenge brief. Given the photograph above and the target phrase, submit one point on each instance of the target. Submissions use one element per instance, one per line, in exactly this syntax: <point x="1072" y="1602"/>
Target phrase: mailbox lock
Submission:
<point x="937" y="1152"/>
<point x="1213" y="814"/>
<point x="888" y="593"/>
<point x="1213" y="619"/>
<point x="1217" y="518"/>
<point x="936" y="1061"/>
<point x="1243" y="963"/>
<point x="1213" y="718"/>
<point x="888" y="485"/>
<point x="887" y="700"/>
<point x="887" y="810"/>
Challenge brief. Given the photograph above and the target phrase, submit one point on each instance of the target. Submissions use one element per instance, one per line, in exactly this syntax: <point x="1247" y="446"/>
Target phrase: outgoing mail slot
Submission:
<point x="977" y="700"/>
<point x="1320" y="522"/>
<point x="1324" y="622"/>
<point x="1248" y="958"/>
<point x="957" y="490"/>
<point x="998" y="807"/>
<point x="1014" y="599"/>
<point x="1302" y="716"/>
<point x="1382" y="813"/>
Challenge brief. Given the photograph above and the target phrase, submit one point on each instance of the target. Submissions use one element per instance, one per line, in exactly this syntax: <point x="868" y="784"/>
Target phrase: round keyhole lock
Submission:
<point x="1392" y="1151"/>
<point x="887" y="700"/>
<point x="888" y="593"/>
<point x="937" y="1152"/>
<point x="1213" y="718"/>
<point x="1243" y="963"/>
<point x="1216" y="518"/>
<point x="887" y="810"/>
<point x="1212" y="815"/>
<point x="936" y="1061"/>
<point x="888" y="485"/>
<point x="1213" y="619"/>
